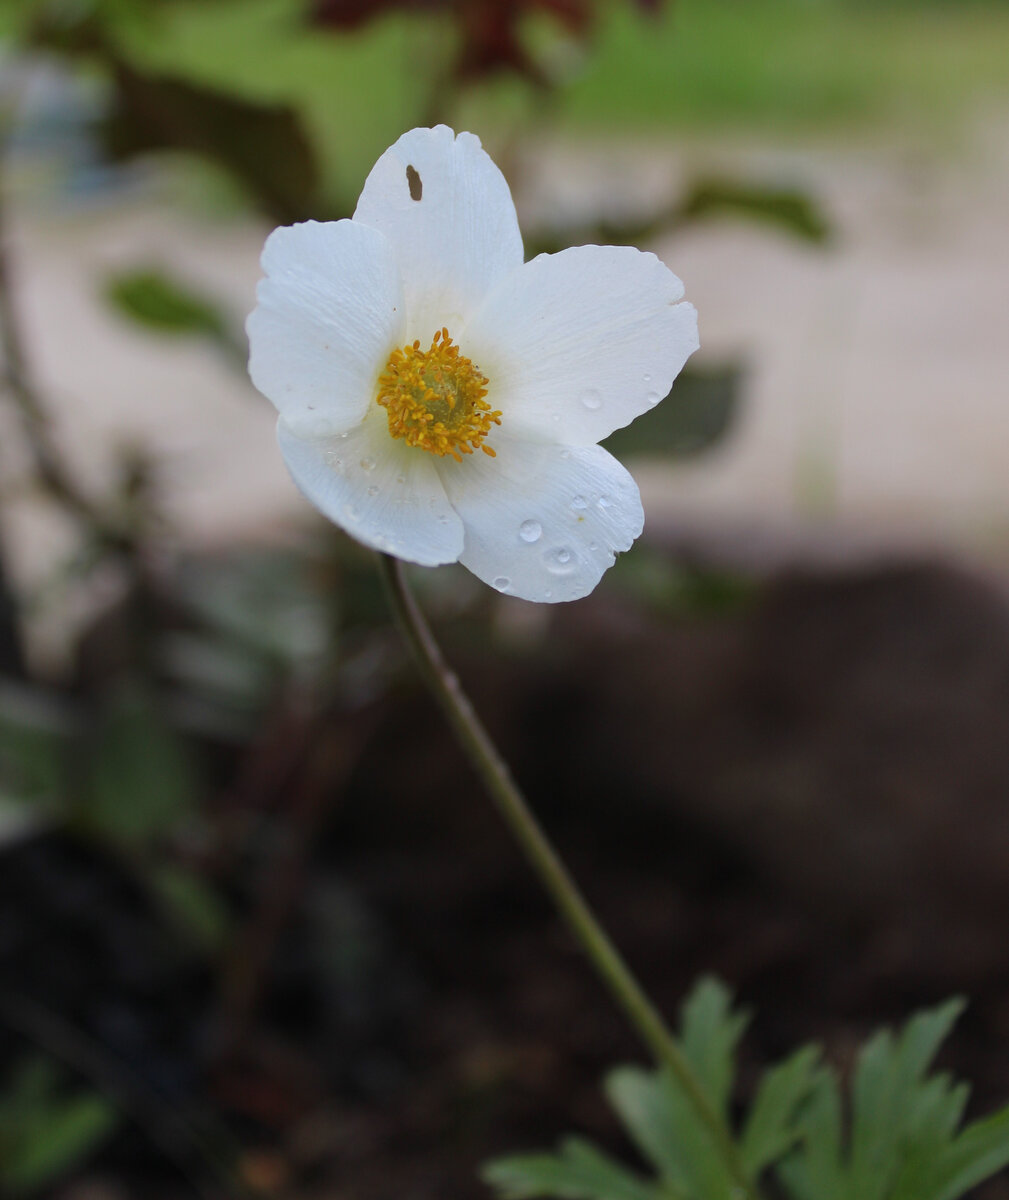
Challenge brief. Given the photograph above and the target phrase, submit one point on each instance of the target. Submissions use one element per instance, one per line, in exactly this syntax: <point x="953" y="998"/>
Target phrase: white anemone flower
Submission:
<point x="440" y="398"/>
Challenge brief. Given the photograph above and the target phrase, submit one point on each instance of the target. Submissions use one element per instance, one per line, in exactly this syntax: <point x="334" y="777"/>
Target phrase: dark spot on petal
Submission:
<point x="414" y="183"/>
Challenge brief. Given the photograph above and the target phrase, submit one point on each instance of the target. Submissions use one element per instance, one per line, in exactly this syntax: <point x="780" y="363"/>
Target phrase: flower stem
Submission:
<point x="604" y="956"/>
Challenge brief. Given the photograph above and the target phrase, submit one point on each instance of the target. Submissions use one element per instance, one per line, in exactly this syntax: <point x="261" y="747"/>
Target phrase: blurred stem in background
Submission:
<point x="613" y="971"/>
<point x="51" y="471"/>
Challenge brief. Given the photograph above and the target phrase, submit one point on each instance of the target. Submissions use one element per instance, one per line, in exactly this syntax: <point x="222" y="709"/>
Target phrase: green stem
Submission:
<point x="604" y="956"/>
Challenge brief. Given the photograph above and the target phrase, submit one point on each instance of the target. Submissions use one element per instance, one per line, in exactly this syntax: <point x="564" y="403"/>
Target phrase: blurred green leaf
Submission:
<point x="142" y="781"/>
<point x="192" y="905"/>
<point x="710" y="1032"/>
<point x="792" y="210"/>
<point x="155" y="300"/>
<point x="904" y="1143"/>
<point x="44" y="1131"/>
<point x="900" y="1143"/>
<point x="666" y="1129"/>
<point x="578" y="1172"/>
<point x="35" y="728"/>
<point x="770" y="1129"/>
<point x="694" y="417"/>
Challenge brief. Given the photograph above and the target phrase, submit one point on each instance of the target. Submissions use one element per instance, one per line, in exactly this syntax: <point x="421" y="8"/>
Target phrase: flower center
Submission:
<point x="435" y="399"/>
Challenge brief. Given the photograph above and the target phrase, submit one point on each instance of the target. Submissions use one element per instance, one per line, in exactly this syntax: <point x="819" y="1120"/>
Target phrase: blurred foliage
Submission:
<point x="903" y="1139"/>
<point x="45" y="1128"/>
<point x="156" y="300"/>
<point x="789" y="209"/>
<point x="490" y="32"/>
<point x="695" y="416"/>
<point x="141" y="780"/>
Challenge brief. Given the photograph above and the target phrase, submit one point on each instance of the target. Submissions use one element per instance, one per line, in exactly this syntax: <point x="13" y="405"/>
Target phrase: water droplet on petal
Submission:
<point x="560" y="560"/>
<point x="652" y="399"/>
<point x="367" y="464"/>
<point x="530" y="531"/>
<point x="579" y="502"/>
<point x="604" y="502"/>
<point x="565" y="454"/>
<point x="648" y="378"/>
<point x="502" y="583"/>
<point x="592" y="399"/>
<point x="547" y="595"/>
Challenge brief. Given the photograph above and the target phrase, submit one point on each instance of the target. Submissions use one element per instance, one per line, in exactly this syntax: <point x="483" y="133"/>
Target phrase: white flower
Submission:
<point x="440" y="399"/>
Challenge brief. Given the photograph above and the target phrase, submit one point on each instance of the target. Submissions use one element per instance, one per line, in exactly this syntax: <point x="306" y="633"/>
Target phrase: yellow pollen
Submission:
<point x="435" y="399"/>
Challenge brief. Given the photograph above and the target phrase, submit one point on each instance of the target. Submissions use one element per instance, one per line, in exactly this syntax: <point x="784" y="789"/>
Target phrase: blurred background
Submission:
<point x="260" y="932"/>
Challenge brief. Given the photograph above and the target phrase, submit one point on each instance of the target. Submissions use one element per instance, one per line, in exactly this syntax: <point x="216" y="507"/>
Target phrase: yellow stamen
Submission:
<point x="435" y="399"/>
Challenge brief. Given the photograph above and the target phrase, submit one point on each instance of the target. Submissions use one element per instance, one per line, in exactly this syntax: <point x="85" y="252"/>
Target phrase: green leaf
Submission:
<point x="884" y="1095"/>
<point x="710" y="1034"/>
<point x="152" y="298"/>
<point x="815" y="1172"/>
<point x="792" y="211"/>
<point x="696" y="415"/>
<point x="142" y="780"/>
<point x="903" y="1143"/>
<point x="578" y="1172"/>
<point x="978" y="1153"/>
<point x="662" y="1121"/>
<point x="193" y="905"/>
<point x="770" y="1128"/>
<point x="43" y="1132"/>
<point x="69" y="1132"/>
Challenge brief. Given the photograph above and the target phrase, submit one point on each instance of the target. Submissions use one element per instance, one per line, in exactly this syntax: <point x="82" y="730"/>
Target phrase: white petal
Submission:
<point x="578" y="343"/>
<point x="386" y="494"/>
<point x="457" y="238"/>
<point x="330" y="312"/>
<point x="543" y="521"/>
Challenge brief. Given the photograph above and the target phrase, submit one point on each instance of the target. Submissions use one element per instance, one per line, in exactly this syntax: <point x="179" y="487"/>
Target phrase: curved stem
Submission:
<point x="604" y="956"/>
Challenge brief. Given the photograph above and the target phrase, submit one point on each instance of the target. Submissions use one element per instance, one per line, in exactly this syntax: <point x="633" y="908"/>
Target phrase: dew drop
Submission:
<point x="530" y="531"/>
<point x="648" y="378"/>
<point x="652" y="399"/>
<point x="592" y="399"/>
<point x="560" y="560"/>
<point x="502" y="583"/>
<point x="367" y="464"/>
<point x="547" y="595"/>
<point x="593" y="546"/>
<point x="579" y="502"/>
<point x="565" y="454"/>
<point x="604" y="502"/>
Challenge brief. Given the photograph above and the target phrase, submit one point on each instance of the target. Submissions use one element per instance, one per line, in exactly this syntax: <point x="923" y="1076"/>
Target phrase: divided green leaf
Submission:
<point x="897" y="1136"/>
